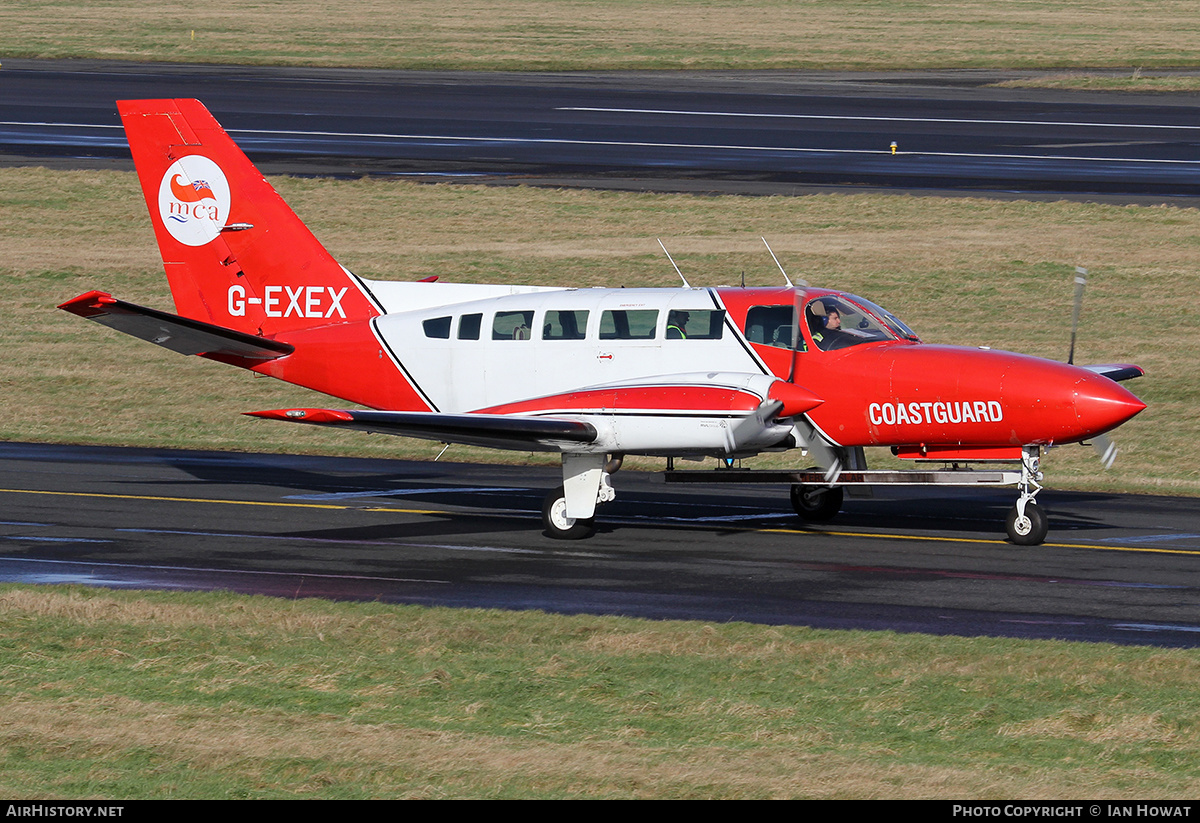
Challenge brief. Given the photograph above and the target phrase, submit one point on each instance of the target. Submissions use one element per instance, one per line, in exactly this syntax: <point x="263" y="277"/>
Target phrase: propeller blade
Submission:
<point x="1106" y="448"/>
<point x="833" y="472"/>
<point x="822" y="452"/>
<point x="1080" y="282"/>
<point x="797" y="313"/>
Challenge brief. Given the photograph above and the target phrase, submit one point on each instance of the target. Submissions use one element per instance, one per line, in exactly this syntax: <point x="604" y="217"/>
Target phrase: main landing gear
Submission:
<point x="556" y="522"/>
<point x="817" y="504"/>
<point x="569" y="512"/>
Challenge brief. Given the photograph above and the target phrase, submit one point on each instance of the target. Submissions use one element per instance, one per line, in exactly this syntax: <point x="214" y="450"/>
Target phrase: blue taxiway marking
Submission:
<point x="1148" y="538"/>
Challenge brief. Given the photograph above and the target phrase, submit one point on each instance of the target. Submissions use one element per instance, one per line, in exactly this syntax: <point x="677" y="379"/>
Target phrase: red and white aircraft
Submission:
<point x="594" y="373"/>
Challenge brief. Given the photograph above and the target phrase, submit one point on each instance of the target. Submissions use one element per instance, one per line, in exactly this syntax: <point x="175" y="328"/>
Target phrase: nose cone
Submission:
<point x="1102" y="404"/>
<point x="796" y="399"/>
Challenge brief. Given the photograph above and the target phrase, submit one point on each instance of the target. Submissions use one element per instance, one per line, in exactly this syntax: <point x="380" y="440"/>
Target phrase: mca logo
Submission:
<point x="193" y="200"/>
<point x="194" y="193"/>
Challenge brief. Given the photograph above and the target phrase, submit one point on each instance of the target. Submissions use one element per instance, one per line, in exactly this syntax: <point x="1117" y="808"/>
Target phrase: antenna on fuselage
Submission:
<point x="791" y="285"/>
<point x="686" y="284"/>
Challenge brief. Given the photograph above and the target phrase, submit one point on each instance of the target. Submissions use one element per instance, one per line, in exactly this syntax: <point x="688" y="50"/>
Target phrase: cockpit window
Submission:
<point x="838" y="324"/>
<point x="774" y="326"/>
<point x="898" y="326"/>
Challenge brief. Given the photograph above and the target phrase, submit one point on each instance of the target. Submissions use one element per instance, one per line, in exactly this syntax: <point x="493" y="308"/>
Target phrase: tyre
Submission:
<point x="817" y="504"/>
<point x="556" y="522"/>
<point x="1029" y="530"/>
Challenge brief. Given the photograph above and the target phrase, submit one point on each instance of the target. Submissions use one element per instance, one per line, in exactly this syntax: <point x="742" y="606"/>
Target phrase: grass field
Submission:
<point x="590" y="35"/>
<point x="151" y="695"/>
<point x="970" y="272"/>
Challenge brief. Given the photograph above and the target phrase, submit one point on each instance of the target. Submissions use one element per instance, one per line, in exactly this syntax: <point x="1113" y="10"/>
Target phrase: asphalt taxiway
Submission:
<point x="1117" y="568"/>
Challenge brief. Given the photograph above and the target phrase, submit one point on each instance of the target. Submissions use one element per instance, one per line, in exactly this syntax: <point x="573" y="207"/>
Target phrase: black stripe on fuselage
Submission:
<point x="737" y="334"/>
<point x="399" y="365"/>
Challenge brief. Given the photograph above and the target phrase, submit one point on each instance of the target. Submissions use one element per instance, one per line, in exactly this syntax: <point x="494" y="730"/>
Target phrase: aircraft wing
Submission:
<point x="179" y="334"/>
<point x="1117" y="371"/>
<point x="712" y="412"/>
<point x="494" y="431"/>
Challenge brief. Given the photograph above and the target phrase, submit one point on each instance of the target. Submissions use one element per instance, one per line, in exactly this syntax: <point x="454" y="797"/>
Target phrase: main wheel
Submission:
<point x="556" y="522"/>
<point x="1029" y="530"/>
<point x="817" y="504"/>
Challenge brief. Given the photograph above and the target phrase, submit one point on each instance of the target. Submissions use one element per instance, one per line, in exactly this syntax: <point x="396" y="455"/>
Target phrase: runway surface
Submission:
<point x="765" y="132"/>
<point x="1117" y="568"/>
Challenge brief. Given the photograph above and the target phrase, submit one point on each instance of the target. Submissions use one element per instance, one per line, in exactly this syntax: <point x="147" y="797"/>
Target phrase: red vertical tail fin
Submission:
<point x="235" y="254"/>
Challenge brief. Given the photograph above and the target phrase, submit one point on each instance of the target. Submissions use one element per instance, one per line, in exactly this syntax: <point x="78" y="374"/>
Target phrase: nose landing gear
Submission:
<point x="1027" y="523"/>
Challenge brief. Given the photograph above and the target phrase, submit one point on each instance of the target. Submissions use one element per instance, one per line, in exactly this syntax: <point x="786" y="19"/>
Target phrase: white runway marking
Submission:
<point x="882" y="119"/>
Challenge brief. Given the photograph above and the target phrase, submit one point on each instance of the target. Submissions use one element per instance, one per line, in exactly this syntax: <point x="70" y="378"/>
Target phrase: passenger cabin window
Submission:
<point x="512" y="325"/>
<point x="695" y="324"/>
<point x="838" y="324"/>
<point x="564" y="325"/>
<point x="438" y="327"/>
<point x="628" y="324"/>
<point x="468" y="326"/>
<point x="774" y="326"/>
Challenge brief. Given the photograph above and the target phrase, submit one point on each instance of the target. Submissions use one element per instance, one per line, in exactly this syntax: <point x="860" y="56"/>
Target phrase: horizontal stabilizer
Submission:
<point x="179" y="334"/>
<point x="494" y="431"/>
<point x="1117" y="371"/>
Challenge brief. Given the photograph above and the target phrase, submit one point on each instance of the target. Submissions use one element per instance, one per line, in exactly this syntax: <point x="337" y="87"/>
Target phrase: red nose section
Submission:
<point x="1101" y="404"/>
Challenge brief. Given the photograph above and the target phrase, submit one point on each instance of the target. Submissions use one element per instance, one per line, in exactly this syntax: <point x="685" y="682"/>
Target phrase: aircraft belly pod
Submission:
<point x="593" y="374"/>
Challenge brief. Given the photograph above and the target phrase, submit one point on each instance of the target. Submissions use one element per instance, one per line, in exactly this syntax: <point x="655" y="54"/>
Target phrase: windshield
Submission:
<point x="836" y="323"/>
<point x="898" y="326"/>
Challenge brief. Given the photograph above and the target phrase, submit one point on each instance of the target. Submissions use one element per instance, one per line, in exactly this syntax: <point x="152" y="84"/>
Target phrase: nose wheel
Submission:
<point x="1028" y="528"/>
<point x="1027" y="523"/>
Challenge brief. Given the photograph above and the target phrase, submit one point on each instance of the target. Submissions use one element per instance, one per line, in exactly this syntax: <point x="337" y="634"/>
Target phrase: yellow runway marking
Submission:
<point x="219" y="501"/>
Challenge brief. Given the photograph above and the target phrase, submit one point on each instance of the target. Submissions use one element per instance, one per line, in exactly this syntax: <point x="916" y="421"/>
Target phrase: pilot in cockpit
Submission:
<point x="825" y="323"/>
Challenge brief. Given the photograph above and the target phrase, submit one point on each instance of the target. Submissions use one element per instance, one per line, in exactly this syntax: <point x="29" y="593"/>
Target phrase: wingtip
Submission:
<point x="88" y="304"/>
<point x="303" y="415"/>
